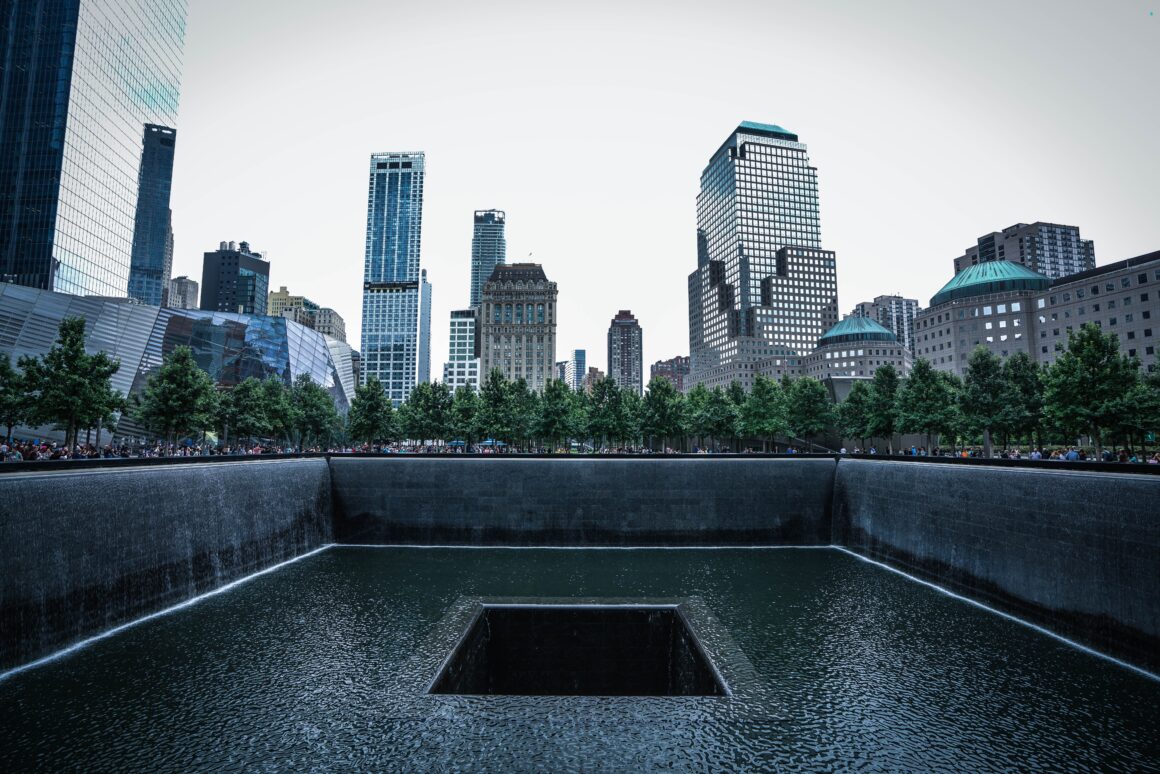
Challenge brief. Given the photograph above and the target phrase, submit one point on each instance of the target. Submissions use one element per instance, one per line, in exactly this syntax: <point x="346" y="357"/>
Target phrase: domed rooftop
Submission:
<point x="990" y="277"/>
<point x="856" y="329"/>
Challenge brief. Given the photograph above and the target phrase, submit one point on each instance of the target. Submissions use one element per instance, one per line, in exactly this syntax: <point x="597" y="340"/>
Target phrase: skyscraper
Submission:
<point x="624" y="352"/>
<point x="763" y="291"/>
<point x="151" y="264"/>
<point x="462" y="366"/>
<point x="517" y="324"/>
<point x="488" y="249"/>
<point x="675" y="369"/>
<point x="235" y="279"/>
<point x="182" y="293"/>
<point x="1051" y="249"/>
<point x="79" y="80"/>
<point x="576" y="368"/>
<point x="895" y="313"/>
<point x="396" y="297"/>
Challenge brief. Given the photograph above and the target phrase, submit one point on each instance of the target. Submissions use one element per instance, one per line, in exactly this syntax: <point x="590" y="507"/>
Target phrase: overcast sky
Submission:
<point x="930" y="124"/>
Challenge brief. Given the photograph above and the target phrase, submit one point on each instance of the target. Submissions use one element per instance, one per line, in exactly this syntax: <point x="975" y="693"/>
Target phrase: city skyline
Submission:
<point x="540" y="155"/>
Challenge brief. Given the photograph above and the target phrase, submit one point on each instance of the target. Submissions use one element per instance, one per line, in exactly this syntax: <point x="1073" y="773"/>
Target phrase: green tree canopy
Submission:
<point x="983" y="394"/>
<point x="372" y="418"/>
<point x="883" y="413"/>
<point x="926" y="402"/>
<point x="180" y="399"/>
<point x="763" y="414"/>
<point x="280" y="410"/>
<point x="497" y="410"/>
<point x="242" y="411"/>
<point x="698" y="417"/>
<point x="604" y="417"/>
<point x="463" y="422"/>
<point x="557" y="419"/>
<point x="663" y="410"/>
<point x="809" y="410"/>
<point x="630" y="417"/>
<point x="853" y="414"/>
<point x="315" y="418"/>
<point x="1021" y="413"/>
<point x="721" y="415"/>
<point x="14" y="406"/>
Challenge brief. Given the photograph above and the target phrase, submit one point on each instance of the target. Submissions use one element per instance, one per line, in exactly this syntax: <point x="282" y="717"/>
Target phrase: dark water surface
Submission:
<point x="833" y="664"/>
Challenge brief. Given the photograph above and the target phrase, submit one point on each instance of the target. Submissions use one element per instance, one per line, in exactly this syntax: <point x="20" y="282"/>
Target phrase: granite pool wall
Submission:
<point x="82" y="551"/>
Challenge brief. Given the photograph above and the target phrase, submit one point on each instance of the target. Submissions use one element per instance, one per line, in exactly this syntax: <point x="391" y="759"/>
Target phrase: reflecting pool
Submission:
<point x="830" y="662"/>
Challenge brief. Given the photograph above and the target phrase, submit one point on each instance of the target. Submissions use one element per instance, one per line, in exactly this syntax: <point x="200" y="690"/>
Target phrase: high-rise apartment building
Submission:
<point x="462" y="366"/>
<point x="575" y="368"/>
<point x="151" y="263"/>
<point x="1051" y="249"/>
<point x="763" y="291"/>
<point x="894" y="313"/>
<point x="78" y="81"/>
<point x="394" y="336"/>
<point x="235" y="279"/>
<point x="182" y="293"/>
<point x="488" y="250"/>
<point x="675" y="369"/>
<point x="624" y="352"/>
<point x="517" y="324"/>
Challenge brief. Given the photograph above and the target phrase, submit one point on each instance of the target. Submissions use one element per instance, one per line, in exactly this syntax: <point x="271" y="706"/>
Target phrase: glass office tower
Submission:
<point x="392" y="297"/>
<point x="764" y="291"/>
<point x="80" y="80"/>
<point x="488" y="250"/>
<point x="152" y="258"/>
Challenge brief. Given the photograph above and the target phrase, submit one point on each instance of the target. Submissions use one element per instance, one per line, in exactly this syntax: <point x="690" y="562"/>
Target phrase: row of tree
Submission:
<point x="1091" y="390"/>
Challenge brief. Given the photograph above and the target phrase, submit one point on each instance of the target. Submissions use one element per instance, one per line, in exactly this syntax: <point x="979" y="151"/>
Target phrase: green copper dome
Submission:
<point x="856" y="329"/>
<point x="990" y="277"/>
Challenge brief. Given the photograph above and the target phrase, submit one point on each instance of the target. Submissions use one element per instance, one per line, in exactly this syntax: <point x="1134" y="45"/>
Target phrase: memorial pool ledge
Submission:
<point x="85" y="550"/>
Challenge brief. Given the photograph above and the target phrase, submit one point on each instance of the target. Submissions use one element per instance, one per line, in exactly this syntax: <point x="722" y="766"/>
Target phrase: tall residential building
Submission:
<point x="393" y="310"/>
<point x="78" y="81"/>
<point x="575" y="368"/>
<point x="234" y="279"/>
<point x="182" y="293"/>
<point x="894" y="313"/>
<point x="675" y="369"/>
<point x="1051" y="249"/>
<point x="763" y="291"/>
<point x="624" y="352"/>
<point x="518" y="324"/>
<point x="488" y="250"/>
<point x="462" y="366"/>
<point x="151" y="264"/>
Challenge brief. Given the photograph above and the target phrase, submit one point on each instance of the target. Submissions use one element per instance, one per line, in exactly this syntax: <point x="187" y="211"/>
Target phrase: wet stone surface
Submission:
<point x="327" y="663"/>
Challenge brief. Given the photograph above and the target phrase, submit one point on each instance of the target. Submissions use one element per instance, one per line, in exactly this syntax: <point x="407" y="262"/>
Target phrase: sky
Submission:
<point x="930" y="123"/>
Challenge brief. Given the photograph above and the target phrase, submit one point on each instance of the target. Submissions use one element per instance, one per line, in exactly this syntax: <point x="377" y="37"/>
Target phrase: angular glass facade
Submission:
<point x="392" y="297"/>
<point x="152" y="258"/>
<point x="488" y="249"/>
<point x="80" y="79"/>
<point x="230" y="347"/>
<point x="763" y="290"/>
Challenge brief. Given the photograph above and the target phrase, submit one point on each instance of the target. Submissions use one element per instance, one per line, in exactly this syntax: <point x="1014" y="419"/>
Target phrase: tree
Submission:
<point x="463" y="422"/>
<point x="68" y="387"/>
<point x="663" y="410"/>
<point x="604" y="418"/>
<point x="883" y="414"/>
<point x="242" y="411"/>
<point x="525" y="404"/>
<point x="808" y="408"/>
<point x="763" y="412"/>
<point x="13" y="396"/>
<point x="629" y="417"/>
<point x="372" y="417"/>
<point x="427" y="413"/>
<point x="1084" y="388"/>
<point x="557" y="418"/>
<point x="496" y="413"/>
<point x="983" y="394"/>
<point x="280" y="410"/>
<point x="721" y="415"/>
<point x="179" y="400"/>
<point x="697" y="413"/>
<point x="315" y="418"/>
<point x="853" y="414"/>
<point x="1022" y="411"/>
<point x="926" y="402"/>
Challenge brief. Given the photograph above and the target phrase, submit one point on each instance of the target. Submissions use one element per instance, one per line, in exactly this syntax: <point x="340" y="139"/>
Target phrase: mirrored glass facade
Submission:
<point x="81" y="79"/>
<point x="230" y="347"/>
<point x="488" y="249"/>
<point x="763" y="290"/>
<point x="393" y="306"/>
<point x="152" y="258"/>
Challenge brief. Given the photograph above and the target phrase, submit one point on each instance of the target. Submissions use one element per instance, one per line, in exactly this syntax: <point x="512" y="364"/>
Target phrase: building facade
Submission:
<point x="229" y="347"/>
<point x="675" y="369"/>
<point x="576" y="368"/>
<point x="854" y="349"/>
<point x="235" y="279"/>
<point x="518" y="324"/>
<point x="764" y="290"/>
<point x="80" y="81"/>
<point x="393" y="313"/>
<point x="330" y="323"/>
<point x="300" y="309"/>
<point x="590" y="379"/>
<point x="625" y="348"/>
<point x="488" y="249"/>
<point x="183" y="293"/>
<point x="1051" y="249"/>
<point x="462" y="366"/>
<point x="151" y="262"/>
<point x="894" y="313"/>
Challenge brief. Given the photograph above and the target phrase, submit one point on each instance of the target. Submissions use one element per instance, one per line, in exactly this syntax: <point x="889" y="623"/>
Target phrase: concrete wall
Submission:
<point x="583" y="502"/>
<point x="83" y="551"/>
<point x="1078" y="553"/>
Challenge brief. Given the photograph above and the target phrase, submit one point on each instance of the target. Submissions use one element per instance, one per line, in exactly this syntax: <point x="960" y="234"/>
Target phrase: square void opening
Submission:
<point x="578" y="650"/>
